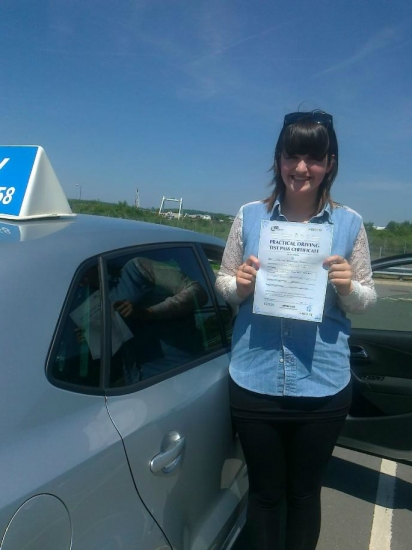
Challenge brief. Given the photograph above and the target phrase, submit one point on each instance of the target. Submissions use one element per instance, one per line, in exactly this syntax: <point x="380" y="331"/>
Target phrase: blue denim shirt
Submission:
<point x="277" y="356"/>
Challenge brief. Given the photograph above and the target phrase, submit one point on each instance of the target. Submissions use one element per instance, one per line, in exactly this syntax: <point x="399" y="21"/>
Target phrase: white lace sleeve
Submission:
<point x="232" y="258"/>
<point x="363" y="294"/>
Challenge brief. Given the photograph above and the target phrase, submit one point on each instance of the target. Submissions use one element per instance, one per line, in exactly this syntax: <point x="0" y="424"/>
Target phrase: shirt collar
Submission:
<point x="324" y="215"/>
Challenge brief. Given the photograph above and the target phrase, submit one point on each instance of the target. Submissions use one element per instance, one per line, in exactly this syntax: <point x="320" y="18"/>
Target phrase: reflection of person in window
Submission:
<point x="158" y="301"/>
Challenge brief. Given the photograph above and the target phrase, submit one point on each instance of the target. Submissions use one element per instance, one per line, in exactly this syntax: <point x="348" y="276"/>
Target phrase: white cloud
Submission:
<point x="386" y="38"/>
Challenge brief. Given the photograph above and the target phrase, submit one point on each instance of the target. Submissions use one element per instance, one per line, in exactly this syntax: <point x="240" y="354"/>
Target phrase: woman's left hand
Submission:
<point x="340" y="274"/>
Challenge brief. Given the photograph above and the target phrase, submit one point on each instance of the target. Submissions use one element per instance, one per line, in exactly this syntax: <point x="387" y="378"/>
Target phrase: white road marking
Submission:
<point x="381" y="533"/>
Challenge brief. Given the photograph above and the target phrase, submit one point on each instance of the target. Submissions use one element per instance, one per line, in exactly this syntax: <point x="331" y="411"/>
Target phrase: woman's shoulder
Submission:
<point x="343" y="209"/>
<point x="254" y="205"/>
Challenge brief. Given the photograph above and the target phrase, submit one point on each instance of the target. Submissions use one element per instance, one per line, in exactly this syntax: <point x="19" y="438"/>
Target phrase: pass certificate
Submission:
<point x="291" y="281"/>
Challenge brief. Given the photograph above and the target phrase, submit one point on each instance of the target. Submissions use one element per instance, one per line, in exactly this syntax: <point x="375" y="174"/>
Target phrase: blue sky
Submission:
<point x="185" y="98"/>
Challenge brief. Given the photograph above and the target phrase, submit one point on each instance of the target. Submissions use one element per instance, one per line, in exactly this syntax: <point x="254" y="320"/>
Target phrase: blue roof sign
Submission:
<point x="29" y="188"/>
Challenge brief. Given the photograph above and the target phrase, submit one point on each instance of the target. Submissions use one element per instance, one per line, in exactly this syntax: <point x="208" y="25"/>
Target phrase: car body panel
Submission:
<point x="193" y="404"/>
<point x="380" y="419"/>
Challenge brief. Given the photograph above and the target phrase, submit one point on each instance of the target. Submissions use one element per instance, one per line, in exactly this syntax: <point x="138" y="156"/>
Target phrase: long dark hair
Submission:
<point x="306" y="137"/>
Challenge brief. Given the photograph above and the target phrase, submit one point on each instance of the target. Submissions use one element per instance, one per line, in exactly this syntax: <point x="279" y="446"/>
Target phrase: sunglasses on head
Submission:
<point x="320" y="117"/>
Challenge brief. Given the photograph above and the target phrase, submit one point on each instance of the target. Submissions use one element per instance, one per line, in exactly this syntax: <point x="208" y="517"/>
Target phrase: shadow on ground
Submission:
<point x="361" y="482"/>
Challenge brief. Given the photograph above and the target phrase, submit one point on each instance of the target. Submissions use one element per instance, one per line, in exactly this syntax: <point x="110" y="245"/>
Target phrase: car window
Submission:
<point x="393" y="310"/>
<point x="77" y="360"/>
<point x="162" y="314"/>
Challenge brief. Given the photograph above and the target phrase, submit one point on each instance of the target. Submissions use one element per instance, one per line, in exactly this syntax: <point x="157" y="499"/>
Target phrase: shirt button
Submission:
<point x="280" y="360"/>
<point x="286" y="333"/>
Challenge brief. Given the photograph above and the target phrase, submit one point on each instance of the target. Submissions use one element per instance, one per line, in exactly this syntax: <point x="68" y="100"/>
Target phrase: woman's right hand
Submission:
<point x="246" y="277"/>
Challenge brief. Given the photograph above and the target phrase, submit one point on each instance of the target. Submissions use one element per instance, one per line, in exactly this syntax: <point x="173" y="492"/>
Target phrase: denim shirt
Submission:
<point x="278" y="356"/>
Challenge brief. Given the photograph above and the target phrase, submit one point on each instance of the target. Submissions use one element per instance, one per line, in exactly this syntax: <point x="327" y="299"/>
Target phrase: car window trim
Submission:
<point x="391" y="261"/>
<point x="158" y="378"/>
<point x="208" y="271"/>
<point x="106" y="341"/>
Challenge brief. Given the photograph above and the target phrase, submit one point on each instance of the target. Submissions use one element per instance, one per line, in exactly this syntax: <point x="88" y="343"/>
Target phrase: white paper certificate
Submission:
<point x="88" y="318"/>
<point x="291" y="281"/>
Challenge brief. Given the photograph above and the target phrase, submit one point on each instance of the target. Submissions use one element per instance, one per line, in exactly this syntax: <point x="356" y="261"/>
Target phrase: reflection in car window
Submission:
<point x="393" y="310"/>
<point x="162" y="314"/>
<point x="78" y="354"/>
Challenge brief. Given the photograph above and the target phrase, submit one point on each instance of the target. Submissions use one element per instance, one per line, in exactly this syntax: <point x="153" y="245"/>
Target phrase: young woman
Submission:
<point x="290" y="386"/>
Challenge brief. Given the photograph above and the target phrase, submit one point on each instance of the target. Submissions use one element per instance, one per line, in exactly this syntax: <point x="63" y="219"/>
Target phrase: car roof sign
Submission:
<point x="29" y="187"/>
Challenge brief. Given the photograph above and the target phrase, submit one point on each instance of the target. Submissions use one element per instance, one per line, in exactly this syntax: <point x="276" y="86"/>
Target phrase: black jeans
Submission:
<point x="286" y="461"/>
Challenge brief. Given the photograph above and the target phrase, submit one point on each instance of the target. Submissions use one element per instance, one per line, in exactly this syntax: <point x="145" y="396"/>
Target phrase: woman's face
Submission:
<point x="303" y="174"/>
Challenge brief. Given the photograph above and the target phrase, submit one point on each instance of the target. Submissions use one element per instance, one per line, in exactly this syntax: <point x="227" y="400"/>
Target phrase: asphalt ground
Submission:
<point x="363" y="507"/>
<point x="353" y="495"/>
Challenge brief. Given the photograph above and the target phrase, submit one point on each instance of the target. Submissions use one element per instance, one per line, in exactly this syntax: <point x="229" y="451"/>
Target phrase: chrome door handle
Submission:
<point x="170" y="456"/>
<point x="358" y="352"/>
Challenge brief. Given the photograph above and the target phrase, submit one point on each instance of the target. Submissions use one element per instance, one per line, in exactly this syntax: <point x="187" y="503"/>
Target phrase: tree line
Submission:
<point x="396" y="238"/>
<point x="219" y="224"/>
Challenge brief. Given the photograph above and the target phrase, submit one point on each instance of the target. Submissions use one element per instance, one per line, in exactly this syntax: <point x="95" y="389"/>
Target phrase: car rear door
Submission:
<point x="168" y="393"/>
<point x="380" y="419"/>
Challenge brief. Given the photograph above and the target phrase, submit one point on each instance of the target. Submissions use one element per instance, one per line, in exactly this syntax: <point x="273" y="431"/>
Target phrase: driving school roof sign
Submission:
<point x="29" y="188"/>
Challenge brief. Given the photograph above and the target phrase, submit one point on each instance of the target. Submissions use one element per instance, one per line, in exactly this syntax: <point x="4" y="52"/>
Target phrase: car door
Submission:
<point x="167" y="393"/>
<point x="380" y="419"/>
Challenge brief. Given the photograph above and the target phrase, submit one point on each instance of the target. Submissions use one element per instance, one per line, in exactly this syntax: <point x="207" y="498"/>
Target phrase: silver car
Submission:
<point x="116" y="429"/>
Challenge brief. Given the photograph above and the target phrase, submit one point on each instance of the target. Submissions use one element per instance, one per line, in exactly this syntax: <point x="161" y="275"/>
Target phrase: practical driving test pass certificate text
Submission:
<point x="291" y="281"/>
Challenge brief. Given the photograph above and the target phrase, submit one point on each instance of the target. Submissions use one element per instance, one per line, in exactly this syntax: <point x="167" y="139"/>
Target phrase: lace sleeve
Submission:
<point x="363" y="295"/>
<point x="232" y="258"/>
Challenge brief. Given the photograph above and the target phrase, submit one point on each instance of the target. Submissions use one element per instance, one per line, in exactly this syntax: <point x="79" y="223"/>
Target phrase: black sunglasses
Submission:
<point x="320" y="117"/>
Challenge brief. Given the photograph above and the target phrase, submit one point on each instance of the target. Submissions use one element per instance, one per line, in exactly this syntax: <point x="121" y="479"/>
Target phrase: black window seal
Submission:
<point x="106" y="341"/>
<point x="145" y="247"/>
<point x="207" y="273"/>
<point x="158" y="378"/>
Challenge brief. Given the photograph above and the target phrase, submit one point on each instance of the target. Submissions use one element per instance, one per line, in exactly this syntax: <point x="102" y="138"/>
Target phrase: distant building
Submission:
<point x="199" y="216"/>
<point x="170" y="215"/>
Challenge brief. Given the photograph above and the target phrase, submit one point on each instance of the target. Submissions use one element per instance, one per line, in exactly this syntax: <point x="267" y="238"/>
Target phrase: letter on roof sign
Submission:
<point x="3" y="163"/>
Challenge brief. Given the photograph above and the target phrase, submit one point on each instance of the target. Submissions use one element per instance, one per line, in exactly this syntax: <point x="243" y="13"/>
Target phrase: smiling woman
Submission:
<point x="289" y="385"/>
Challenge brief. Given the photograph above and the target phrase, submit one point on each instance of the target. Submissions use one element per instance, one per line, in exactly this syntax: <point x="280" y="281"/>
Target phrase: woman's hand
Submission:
<point x="124" y="308"/>
<point x="246" y="277"/>
<point x="340" y="274"/>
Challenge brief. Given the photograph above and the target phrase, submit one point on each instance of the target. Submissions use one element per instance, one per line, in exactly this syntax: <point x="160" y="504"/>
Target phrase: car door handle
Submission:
<point x="171" y="454"/>
<point x="358" y="352"/>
